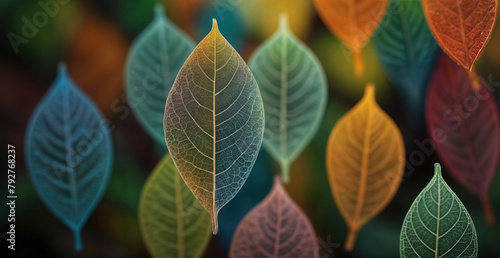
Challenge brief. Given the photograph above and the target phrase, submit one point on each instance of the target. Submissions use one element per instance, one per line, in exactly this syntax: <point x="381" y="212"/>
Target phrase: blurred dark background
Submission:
<point x="93" y="38"/>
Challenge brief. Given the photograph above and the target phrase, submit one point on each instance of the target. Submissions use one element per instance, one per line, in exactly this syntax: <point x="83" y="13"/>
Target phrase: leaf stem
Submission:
<point x="77" y="233"/>
<point x="351" y="239"/>
<point x="489" y="213"/>
<point x="474" y="79"/>
<point x="285" y="171"/>
<point x="359" y="65"/>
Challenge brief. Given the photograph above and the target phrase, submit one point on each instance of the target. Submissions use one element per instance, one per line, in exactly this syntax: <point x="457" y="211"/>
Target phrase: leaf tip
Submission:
<point x="437" y="169"/>
<point x="159" y="11"/>
<point x="277" y="180"/>
<point x="214" y="24"/>
<point x="369" y="91"/>
<point x="283" y="21"/>
<point x="62" y="68"/>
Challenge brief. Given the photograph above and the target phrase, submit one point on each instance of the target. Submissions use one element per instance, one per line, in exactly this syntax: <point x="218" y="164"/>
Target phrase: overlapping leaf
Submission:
<point x="214" y="122"/>
<point x="276" y="227"/>
<point x="465" y="127"/>
<point x="365" y="162"/>
<point x="438" y="224"/>
<point x="294" y="91"/>
<point x="353" y="21"/>
<point x="407" y="51"/>
<point x="173" y="223"/>
<point x="462" y="29"/>
<point x="68" y="153"/>
<point x="155" y="59"/>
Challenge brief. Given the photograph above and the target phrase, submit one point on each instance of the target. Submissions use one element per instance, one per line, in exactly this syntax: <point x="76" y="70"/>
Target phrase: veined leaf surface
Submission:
<point x="155" y="59"/>
<point x="465" y="128"/>
<point x="407" y="51"/>
<point x="294" y="90"/>
<point x="214" y="122"/>
<point x="438" y="224"/>
<point x="365" y="160"/>
<point x="68" y="153"/>
<point x="173" y="223"/>
<point x="276" y="227"/>
<point x="462" y="29"/>
<point x="353" y="22"/>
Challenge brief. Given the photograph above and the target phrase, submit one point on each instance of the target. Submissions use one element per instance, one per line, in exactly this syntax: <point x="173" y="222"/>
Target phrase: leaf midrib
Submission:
<point x="283" y="105"/>
<point x="463" y="130"/>
<point x="215" y="137"/>
<point x="364" y="169"/>
<point x="407" y="35"/>
<point x="179" y="215"/>
<point x="278" y="225"/>
<point x="69" y="143"/>
<point x="164" y="57"/>
<point x="462" y="33"/>
<point x="438" y="218"/>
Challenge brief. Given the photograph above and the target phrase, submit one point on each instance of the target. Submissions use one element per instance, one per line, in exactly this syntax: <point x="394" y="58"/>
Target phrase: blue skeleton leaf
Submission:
<point x="153" y="62"/>
<point x="69" y="153"/>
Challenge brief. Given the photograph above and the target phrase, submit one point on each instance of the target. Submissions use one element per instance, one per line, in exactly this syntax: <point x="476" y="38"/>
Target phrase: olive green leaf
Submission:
<point x="155" y="58"/>
<point x="172" y="222"/>
<point x="294" y="91"/>
<point x="437" y="224"/>
<point x="214" y="122"/>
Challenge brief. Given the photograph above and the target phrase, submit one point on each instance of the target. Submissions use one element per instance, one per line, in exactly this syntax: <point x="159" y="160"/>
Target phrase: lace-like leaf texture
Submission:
<point x="155" y="58"/>
<point x="68" y="153"/>
<point x="437" y="224"/>
<point x="365" y="163"/>
<point x="214" y="122"/>
<point x="294" y="90"/>
<point x="462" y="29"/>
<point x="276" y="227"/>
<point x="172" y="221"/>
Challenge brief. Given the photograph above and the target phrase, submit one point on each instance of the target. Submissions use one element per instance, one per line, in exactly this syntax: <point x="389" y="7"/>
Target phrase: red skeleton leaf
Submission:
<point x="462" y="28"/>
<point x="464" y="125"/>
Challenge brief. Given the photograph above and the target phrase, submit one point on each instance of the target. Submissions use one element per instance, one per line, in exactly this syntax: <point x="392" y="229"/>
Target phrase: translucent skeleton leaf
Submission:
<point x="462" y="29"/>
<point x="214" y="122"/>
<point x="68" y="153"/>
<point x="276" y="227"/>
<point x="172" y="221"/>
<point x="294" y="90"/>
<point x="437" y="224"/>
<point x="407" y="51"/>
<point x="353" y="22"/>
<point x="365" y="160"/>
<point x="465" y="127"/>
<point x="155" y="58"/>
